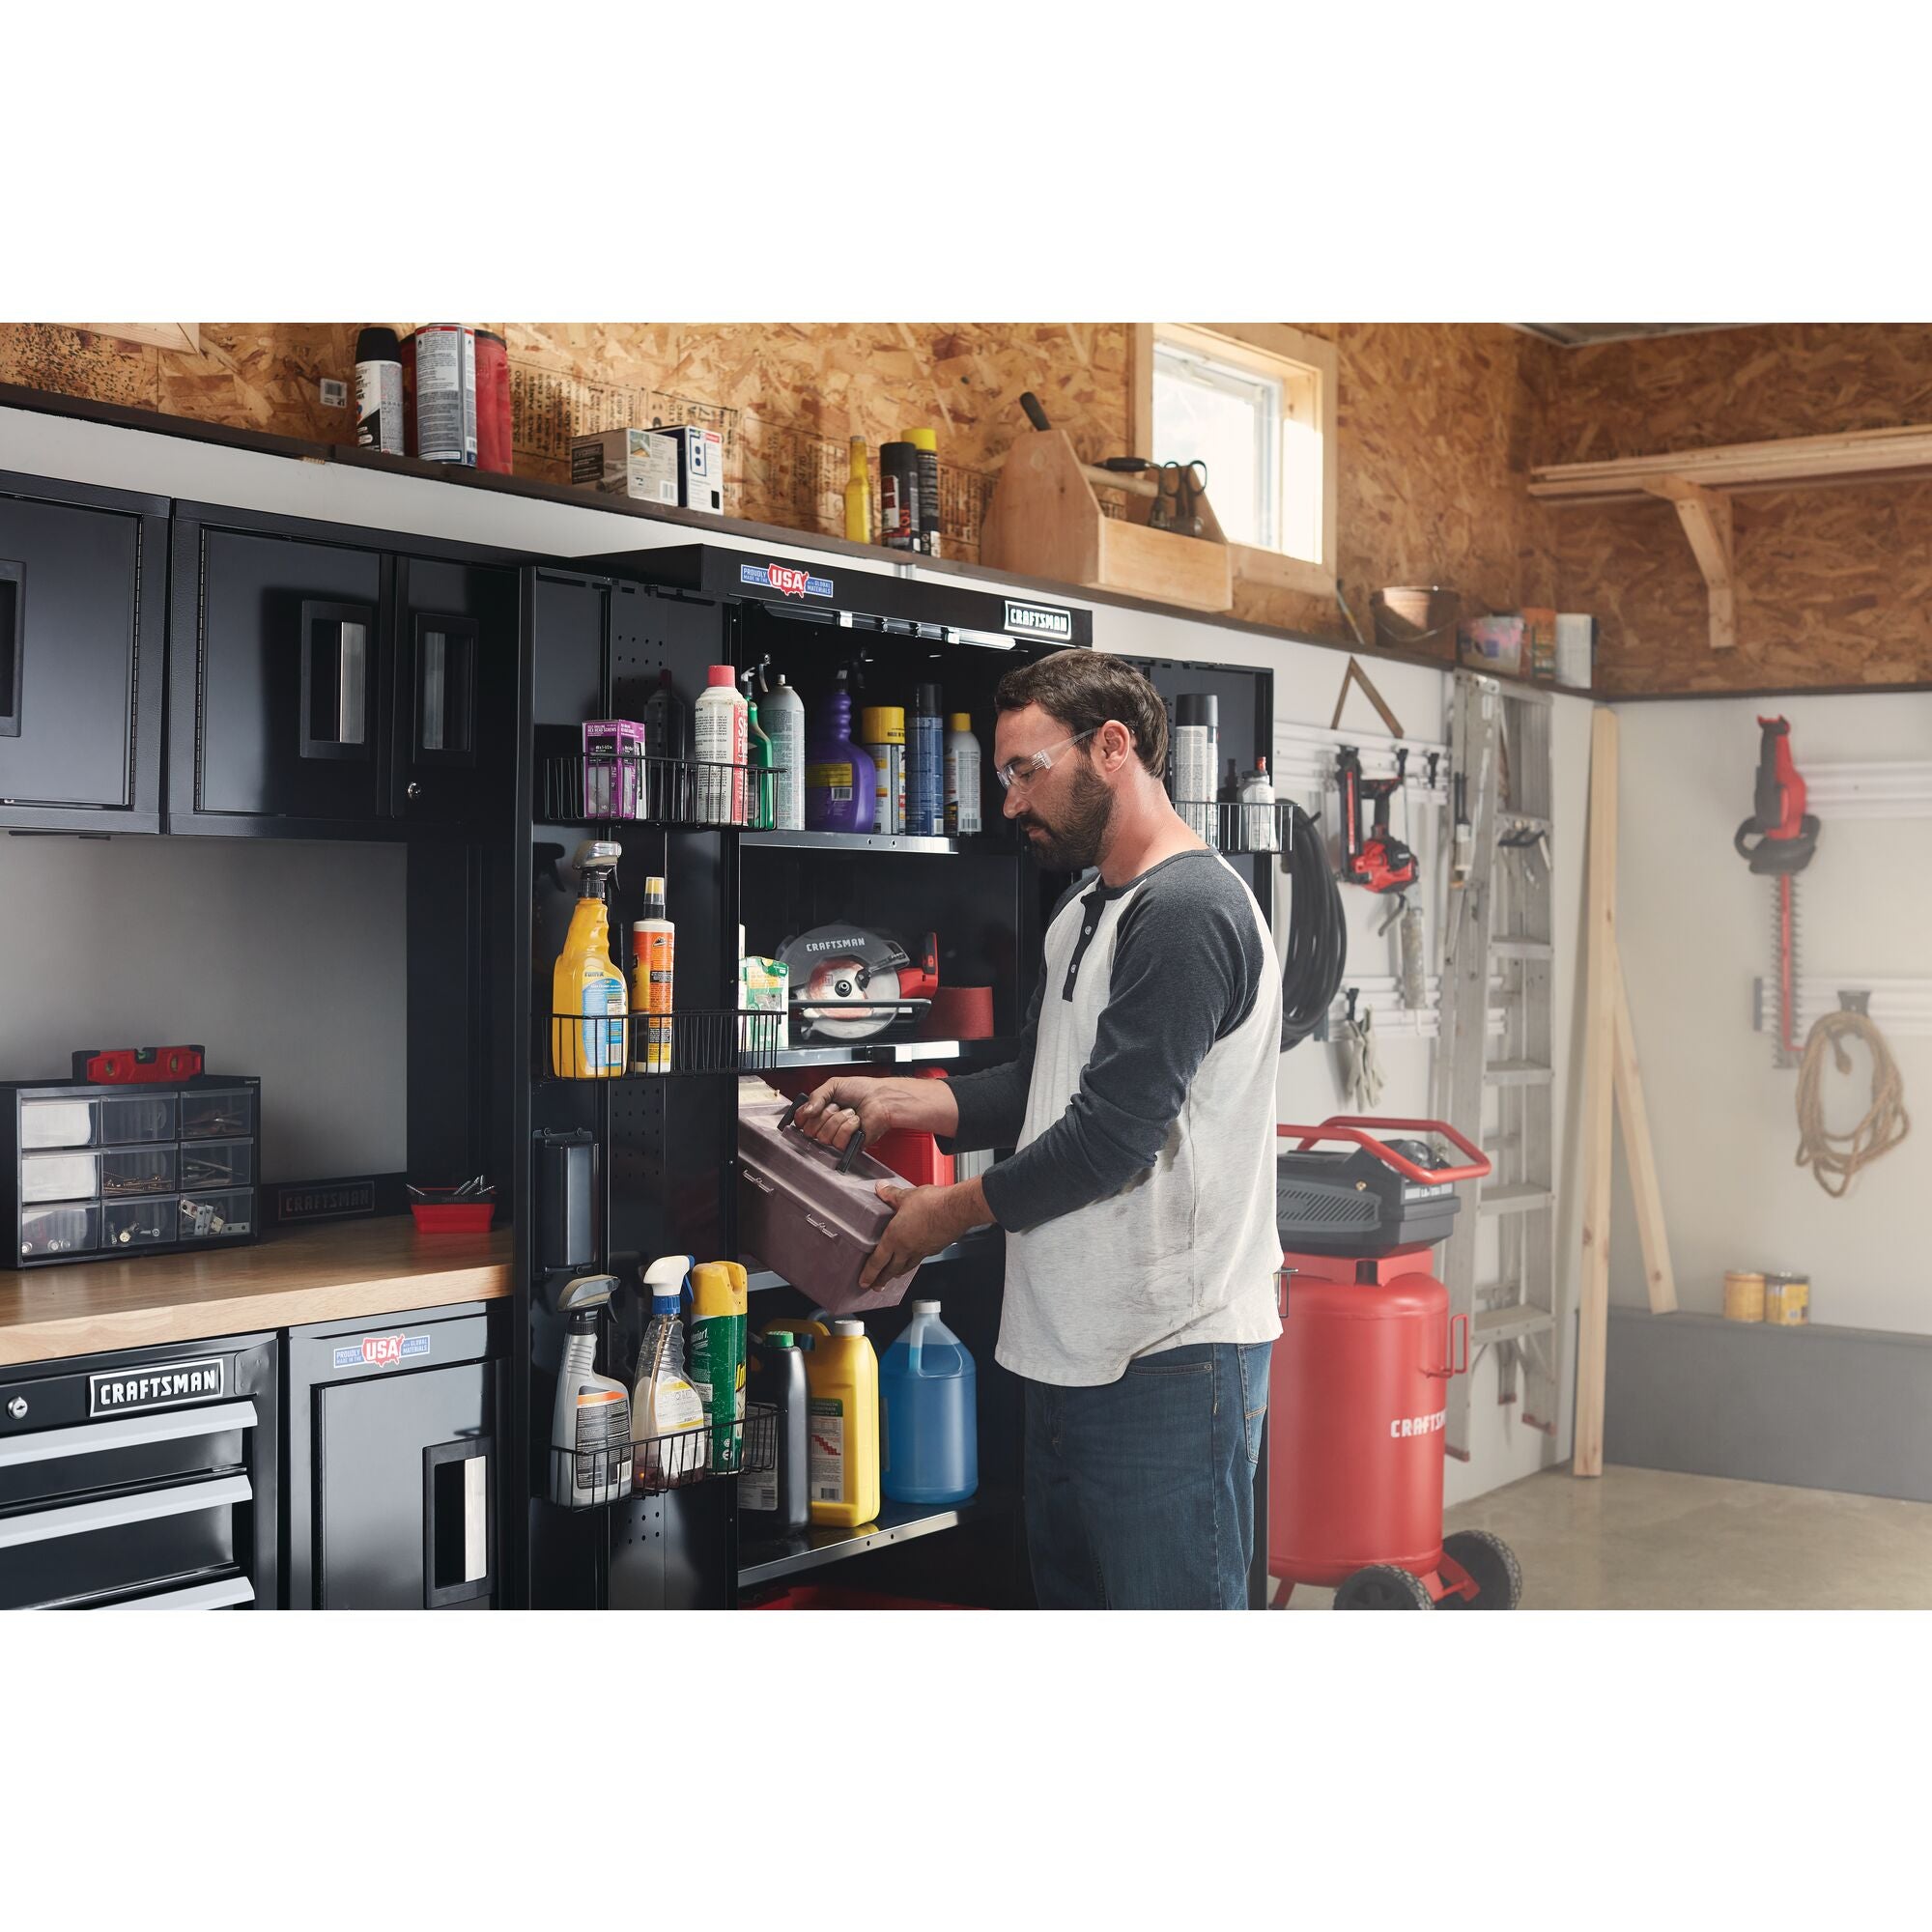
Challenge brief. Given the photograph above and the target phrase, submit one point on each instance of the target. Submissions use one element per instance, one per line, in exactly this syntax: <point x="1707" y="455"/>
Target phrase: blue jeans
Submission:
<point x="1140" y="1494"/>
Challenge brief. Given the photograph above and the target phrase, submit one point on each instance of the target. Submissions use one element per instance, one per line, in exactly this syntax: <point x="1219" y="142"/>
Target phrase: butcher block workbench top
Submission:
<point x="339" y="1271"/>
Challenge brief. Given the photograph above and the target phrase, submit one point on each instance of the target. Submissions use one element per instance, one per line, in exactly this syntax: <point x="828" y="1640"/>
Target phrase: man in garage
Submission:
<point x="1139" y="1205"/>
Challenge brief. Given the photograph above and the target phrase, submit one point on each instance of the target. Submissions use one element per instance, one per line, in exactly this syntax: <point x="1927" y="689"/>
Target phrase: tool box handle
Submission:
<point x="1452" y="1365"/>
<point x="853" y="1148"/>
<point x="1350" y="1127"/>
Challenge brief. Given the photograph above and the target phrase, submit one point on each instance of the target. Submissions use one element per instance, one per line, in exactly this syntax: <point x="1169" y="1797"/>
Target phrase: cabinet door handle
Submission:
<point x="446" y="688"/>
<point x="13" y="644"/>
<point x="337" y="643"/>
<point x="459" y="1528"/>
<point x="229" y="1594"/>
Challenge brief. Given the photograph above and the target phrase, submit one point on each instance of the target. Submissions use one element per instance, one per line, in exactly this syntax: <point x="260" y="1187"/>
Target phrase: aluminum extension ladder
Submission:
<point x="1497" y="948"/>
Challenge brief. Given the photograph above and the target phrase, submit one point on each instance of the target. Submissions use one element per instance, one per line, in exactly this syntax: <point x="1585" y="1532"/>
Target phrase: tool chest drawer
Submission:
<point x="147" y="1478"/>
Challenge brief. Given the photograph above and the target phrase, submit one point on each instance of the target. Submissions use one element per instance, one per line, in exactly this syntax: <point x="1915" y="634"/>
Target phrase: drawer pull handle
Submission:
<point x="127" y="1431"/>
<point x="118" y="1512"/>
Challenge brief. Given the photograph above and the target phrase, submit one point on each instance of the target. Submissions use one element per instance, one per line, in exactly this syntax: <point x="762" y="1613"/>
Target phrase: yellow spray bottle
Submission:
<point x="589" y="1006"/>
<point x="721" y="1305"/>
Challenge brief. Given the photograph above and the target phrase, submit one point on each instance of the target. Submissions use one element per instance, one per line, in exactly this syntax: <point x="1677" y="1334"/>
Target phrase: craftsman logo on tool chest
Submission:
<point x="786" y="578"/>
<point x="1418" y="1425"/>
<point x="124" y="1391"/>
<point x="1039" y="621"/>
<point x="380" y="1351"/>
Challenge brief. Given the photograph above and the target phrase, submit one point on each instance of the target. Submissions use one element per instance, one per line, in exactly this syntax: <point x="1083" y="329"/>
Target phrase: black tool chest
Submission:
<point x="146" y="1479"/>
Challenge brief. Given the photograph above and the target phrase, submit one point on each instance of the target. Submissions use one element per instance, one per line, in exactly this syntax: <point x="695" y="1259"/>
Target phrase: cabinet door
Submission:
<point x="82" y="602"/>
<point x="280" y="705"/>
<point x="455" y="692"/>
<point x="405" y="1519"/>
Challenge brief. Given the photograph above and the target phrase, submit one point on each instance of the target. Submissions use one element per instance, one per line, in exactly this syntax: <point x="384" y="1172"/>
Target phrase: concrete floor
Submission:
<point x="1649" y="1540"/>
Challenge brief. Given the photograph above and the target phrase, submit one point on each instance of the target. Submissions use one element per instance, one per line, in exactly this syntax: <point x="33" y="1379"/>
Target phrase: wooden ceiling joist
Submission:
<point x="1699" y="483"/>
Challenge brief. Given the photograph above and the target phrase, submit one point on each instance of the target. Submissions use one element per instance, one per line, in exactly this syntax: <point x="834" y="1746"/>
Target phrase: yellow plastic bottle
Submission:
<point x="842" y="1378"/>
<point x="858" y="496"/>
<point x="589" y="1006"/>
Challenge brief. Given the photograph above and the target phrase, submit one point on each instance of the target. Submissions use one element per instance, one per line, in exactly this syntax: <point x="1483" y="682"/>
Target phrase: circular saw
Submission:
<point x="848" y="983"/>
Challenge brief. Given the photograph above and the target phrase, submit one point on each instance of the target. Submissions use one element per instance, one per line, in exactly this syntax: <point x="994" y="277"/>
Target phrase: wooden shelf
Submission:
<point x="342" y="1271"/>
<point x="1701" y="482"/>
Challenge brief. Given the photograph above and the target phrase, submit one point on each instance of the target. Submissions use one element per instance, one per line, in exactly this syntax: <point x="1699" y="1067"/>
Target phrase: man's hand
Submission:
<point x="843" y="1107"/>
<point x="928" y="1219"/>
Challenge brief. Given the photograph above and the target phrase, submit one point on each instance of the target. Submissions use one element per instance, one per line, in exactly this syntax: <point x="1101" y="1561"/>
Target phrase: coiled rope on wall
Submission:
<point x="1839" y="1156"/>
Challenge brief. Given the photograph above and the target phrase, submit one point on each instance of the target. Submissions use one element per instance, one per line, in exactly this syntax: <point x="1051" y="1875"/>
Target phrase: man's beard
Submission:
<point x="1074" y="842"/>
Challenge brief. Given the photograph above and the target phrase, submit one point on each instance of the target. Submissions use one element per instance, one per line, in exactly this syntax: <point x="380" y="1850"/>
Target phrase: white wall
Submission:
<point x="1695" y="929"/>
<point x="1307" y="678"/>
<point x="283" y="958"/>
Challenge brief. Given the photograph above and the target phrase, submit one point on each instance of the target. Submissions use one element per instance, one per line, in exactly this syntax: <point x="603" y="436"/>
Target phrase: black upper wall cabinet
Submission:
<point x="83" y="602"/>
<point x="325" y="684"/>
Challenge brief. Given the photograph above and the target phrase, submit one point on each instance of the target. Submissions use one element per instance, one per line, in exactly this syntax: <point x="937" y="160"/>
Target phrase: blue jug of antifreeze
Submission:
<point x="929" y="1420"/>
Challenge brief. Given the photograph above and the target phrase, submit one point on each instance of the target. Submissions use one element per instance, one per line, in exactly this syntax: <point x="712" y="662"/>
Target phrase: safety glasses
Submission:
<point x="1023" y="771"/>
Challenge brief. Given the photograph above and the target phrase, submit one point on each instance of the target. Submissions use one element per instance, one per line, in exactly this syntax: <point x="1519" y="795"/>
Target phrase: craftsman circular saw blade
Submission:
<point x="844" y="981"/>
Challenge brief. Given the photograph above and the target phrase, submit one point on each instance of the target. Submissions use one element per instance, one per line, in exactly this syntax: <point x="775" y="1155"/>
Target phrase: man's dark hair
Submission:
<point x="1083" y="690"/>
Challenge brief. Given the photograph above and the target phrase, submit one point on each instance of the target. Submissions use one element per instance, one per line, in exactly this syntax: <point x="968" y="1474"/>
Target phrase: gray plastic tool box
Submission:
<point x="809" y="1213"/>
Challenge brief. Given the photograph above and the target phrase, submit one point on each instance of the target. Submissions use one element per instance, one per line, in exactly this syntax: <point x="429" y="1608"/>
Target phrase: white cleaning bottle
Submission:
<point x="962" y="776"/>
<point x="591" y="1424"/>
<point x="781" y="712"/>
<point x="665" y="1401"/>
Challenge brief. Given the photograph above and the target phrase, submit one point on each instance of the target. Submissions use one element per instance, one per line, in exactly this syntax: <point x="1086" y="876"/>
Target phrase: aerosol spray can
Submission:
<point x="927" y="442"/>
<point x="898" y="495"/>
<point x="882" y="732"/>
<point x="926" y="788"/>
<point x="445" y="412"/>
<point x="1197" y="762"/>
<point x="379" y="391"/>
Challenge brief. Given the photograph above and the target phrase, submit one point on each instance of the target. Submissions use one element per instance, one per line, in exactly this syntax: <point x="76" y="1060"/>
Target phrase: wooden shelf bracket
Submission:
<point x="1706" y="517"/>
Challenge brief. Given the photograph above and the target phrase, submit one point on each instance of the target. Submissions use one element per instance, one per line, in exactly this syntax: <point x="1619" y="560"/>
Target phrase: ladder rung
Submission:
<point x="1505" y="1324"/>
<point x="1521" y="949"/>
<point x="1527" y="820"/>
<point x="1517" y="1074"/>
<point x="1515" y="1197"/>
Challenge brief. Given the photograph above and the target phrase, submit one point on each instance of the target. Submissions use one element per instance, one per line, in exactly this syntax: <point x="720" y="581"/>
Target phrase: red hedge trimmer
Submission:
<point x="1787" y="835"/>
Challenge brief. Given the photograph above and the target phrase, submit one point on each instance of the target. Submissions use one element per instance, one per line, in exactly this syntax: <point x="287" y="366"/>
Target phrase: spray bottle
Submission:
<point x="591" y="1424"/>
<point x="589" y="1006"/>
<point x="720" y="1313"/>
<point x="665" y="1403"/>
<point x="759" y="762"/>
<point x="782" y="714"/>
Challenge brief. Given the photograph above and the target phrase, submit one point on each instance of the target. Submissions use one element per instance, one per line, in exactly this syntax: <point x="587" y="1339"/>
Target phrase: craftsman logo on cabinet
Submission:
<point x="786" y="578"/>
<point x="380" y="1351"/>
<point x="1039" y="621"/>
<point x="127" y="1391"/>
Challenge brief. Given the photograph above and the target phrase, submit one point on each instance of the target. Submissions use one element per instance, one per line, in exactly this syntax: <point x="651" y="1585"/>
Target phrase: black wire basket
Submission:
<point x="630" y="788"/>
<point x="656" y="1046"/>
<point x="1229" y="826"/>
<point x="624" y="1468"/>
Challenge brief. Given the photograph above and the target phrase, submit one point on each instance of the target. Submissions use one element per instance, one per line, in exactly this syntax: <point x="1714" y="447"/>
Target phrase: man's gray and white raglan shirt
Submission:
<point x="1139" y="1207"/>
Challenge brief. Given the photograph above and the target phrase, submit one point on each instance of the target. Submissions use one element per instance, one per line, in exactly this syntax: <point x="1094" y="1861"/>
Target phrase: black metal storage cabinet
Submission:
<point x="141" y="1480"/>
<point x="394" y="1484"/>
<point x="328" y="683"/>
<point x="83" y="611"/>
<point x="596" y="637"/>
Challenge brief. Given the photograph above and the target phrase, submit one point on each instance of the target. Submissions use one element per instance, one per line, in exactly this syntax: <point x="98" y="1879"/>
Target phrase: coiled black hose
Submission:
<point x="1315" y="953"/>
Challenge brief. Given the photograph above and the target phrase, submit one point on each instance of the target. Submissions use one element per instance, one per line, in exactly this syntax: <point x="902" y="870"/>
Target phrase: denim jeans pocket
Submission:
<point x="1191" y="1358"/>
<point x="1254" y="1361"/>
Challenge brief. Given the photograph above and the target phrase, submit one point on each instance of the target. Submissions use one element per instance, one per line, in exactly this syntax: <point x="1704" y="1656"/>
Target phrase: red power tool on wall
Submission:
<point x="1787" y="837"/>
<point x="1381" y="860"/>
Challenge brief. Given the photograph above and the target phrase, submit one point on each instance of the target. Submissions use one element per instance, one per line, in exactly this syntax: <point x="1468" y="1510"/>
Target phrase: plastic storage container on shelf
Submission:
<point x="929" y="1413"/>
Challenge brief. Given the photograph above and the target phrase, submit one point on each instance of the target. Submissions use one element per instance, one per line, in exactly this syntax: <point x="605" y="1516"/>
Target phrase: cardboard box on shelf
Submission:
<point x="700" y="466"/>
<point x="1539" y="643"/>
<point x="636" y="463"/>
<point x="1490" y="643"/>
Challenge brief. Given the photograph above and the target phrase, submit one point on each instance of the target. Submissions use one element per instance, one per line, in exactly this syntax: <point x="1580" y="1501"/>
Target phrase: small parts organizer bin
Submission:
<point x="97" y="1170"/>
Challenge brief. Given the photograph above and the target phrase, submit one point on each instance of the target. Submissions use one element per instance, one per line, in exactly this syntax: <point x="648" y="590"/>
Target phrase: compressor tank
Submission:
<point x="1357" y="1401"/>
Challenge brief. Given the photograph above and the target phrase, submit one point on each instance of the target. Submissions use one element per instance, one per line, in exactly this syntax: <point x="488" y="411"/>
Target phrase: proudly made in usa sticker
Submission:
<point x="380" y="1351"/>
<point x="786" y="578"/>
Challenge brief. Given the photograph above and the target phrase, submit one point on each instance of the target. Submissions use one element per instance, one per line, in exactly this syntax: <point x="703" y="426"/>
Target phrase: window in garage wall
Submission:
<point x="1254" y="402"/>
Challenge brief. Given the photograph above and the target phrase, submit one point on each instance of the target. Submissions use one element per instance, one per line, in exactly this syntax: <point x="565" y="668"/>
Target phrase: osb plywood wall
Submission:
<point x="1438" y="426"/>
<point x="1434" y="426"/>
<point x="785" y="396"/>
<point x="1831" y="583"/>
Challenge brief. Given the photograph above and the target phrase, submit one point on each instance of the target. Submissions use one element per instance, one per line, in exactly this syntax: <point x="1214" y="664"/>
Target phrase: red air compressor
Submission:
<point x="1357" y="1387"/>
